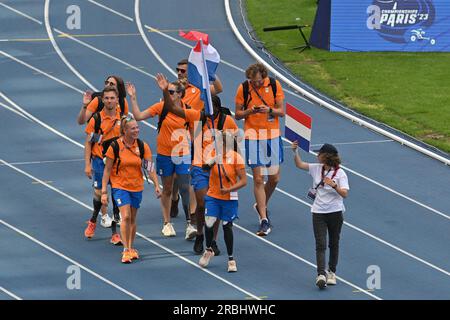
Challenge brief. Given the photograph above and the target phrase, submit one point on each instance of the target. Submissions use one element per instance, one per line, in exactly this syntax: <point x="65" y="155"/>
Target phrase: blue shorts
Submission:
<point x="264" y="152"/>
<point x="225" y="210"/>
<point x="97" y="167"/>
<point x="167" y="165"/>
<point x="199" y="178"/>
<point x="124" y="197"/>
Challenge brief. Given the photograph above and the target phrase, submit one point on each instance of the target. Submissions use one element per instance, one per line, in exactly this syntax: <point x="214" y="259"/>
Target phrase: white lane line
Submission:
<point x="46" y="126"/>
<point x="56" y="252"/>
<point x="147" y="42"/>
<point x="365" y="232"/>
<point x="140" y="235"/>
<point x="21" y="13"/>
<point x="57" y="49"/>
<point x="43" y="162"/>
<point x="103" y="53"/>
<point x="9" y="293"/>
<point x="111" y="10"/>
<point x="40" y="71"/>
<point x="79" y="202"/>
<point x="14" y="111"/>
<point x="355" y="142"/>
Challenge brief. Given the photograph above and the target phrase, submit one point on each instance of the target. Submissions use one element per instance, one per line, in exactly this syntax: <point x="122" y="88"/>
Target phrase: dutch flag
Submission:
<point x="203" y="62"/>
<point x="298" y="127"/>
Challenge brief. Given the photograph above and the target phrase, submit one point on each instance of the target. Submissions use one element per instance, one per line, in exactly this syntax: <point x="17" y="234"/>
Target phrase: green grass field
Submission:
<point x="408" y="91"/>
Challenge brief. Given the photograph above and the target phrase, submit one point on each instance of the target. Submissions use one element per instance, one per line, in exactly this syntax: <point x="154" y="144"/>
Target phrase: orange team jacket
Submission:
<point x="193" y="116"/>
<point x="110" y="128"/>
<point x="232" y="163"/>
<point x="173" y="136"/>
<point x="129" y="176"/>
<point x="258" y="121"/>
<point x="93" y="105"/>
<point x="192" y="98"/>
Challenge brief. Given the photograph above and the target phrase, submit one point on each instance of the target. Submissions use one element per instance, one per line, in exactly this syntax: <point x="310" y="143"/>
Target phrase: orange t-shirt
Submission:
<point x="204" y="152"/>
<point x="110" y="128"/>
<point x="192" y="98"/>
<point x="257" y="126"/>
<point x="129" y="176"/>
<point x="173" y="136"/>
<point x="232" y="163"/>
<point x="93" y="105"/>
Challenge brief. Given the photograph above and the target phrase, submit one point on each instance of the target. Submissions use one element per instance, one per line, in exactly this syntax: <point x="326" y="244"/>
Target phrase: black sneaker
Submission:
<point x="174" y="208"/>
<point x="215" y="248"/>
<point x="198" y="245"/>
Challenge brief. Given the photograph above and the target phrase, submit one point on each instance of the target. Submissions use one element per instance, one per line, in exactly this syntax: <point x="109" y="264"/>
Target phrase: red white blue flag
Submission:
<point x="298" y="127"/>
<point x="203" y="62"/>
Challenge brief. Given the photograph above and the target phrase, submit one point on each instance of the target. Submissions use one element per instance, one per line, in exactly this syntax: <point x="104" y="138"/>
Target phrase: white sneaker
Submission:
<point x="331" y="278"/>
<point x="191" y="232"/>
<point x="204" y="260"/>
<point x="232" y="266"/>
<point x="321" y="281"/>
<point x="106" y="221"/>
<point x="168" y="230"/>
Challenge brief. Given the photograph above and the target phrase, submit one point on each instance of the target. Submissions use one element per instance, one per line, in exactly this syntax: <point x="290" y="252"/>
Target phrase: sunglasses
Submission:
<point x="171" y="92"/>
<point x="109" y="83"/>
<point x="181" y="70"/>
<point x="128" y="118"/>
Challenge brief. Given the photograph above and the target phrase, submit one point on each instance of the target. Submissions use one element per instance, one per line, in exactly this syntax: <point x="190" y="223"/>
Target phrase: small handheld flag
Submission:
<point x="298" y="127"/>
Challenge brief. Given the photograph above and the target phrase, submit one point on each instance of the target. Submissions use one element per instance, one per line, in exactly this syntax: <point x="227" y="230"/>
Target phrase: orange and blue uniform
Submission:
<point x="109" y="129"/>
<point x="126" y="176"/>
<point x="261" y="130"/>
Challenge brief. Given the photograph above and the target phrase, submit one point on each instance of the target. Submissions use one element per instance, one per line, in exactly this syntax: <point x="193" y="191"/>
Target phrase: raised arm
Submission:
<point x="216" y="86"/>
<point x="163" y="84"/>
<point x="298" y="161"/>
<point x="137" y="113"/>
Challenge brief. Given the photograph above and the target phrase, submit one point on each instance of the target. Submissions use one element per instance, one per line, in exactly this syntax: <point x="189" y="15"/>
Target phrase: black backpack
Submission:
<point x="115" y="146"/>
<point x="100" y="106"/>
<point x="98" y="130"/>
<point x="246" y="90"/>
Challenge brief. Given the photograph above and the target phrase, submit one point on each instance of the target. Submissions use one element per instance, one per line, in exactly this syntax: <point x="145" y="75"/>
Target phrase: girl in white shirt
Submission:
<point x="330" y="187"/>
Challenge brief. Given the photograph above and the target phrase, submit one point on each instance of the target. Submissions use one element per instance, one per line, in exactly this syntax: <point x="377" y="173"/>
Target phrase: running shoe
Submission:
<point x="126" y="256"/>
<point x="134" y="254"/>
<point x="168" y="230"/>
<point x="264" y="228"/>
<point x="321" y="281"/>
<point x="206" y="257"/>
<point x="191" y="232"/>
<point x="106" y="221"/>
<point x="116" y="240"/>
<point x="89" y="232"/>
<point x="331" y="278"/>
<point x="232" y="266"/>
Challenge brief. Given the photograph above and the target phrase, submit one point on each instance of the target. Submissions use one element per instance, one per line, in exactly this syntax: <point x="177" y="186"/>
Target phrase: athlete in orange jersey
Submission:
<point x="126" y="158"/>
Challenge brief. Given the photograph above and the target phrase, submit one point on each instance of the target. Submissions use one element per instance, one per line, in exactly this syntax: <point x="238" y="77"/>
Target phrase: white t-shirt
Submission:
<point x="327" y="199"/>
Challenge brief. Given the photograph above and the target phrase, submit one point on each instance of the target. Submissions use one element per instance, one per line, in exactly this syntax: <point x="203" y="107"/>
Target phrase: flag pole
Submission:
<point x="209" y="108"/>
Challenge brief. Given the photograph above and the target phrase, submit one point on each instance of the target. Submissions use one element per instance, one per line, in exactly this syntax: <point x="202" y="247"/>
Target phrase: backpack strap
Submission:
<point x="273" y="84"/>
<point x="115" y="146"/>
<point x="97" y="122"/>
<point x="162" y="116"/>
<point x="122" y="106"/>
<point x="141" y="148"/>
<point x="221" y="122"/>
<point x="245" y="92"/>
